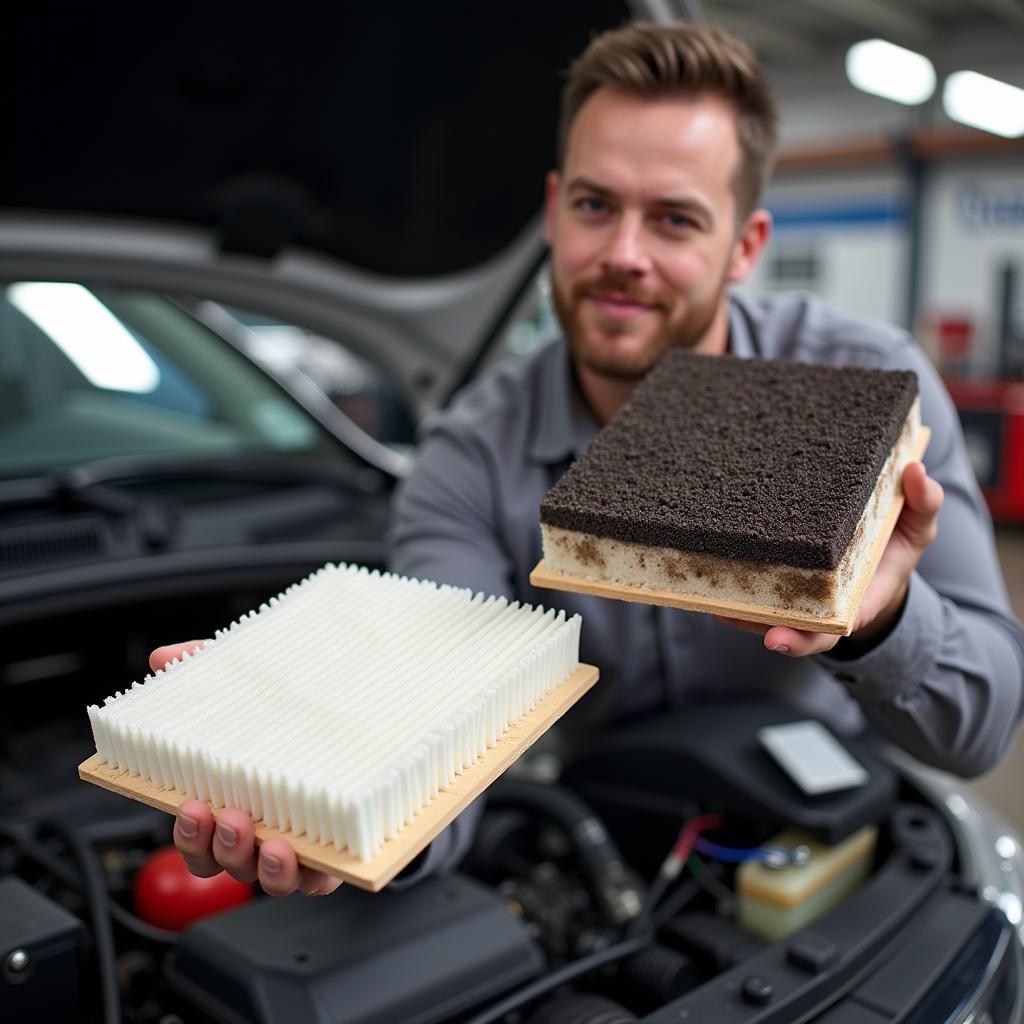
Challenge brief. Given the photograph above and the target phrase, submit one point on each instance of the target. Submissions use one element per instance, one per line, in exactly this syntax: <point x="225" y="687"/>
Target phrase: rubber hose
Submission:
<point x="583" y="1009"/>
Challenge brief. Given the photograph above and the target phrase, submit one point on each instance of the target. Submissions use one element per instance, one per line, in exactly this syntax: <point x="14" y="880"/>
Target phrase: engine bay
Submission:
<point x="667" y="870"/>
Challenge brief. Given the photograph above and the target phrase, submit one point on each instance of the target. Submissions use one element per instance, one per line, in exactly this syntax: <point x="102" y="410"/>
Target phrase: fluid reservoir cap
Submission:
<point x="757" y="991"/>
<point x="166" y="894"/>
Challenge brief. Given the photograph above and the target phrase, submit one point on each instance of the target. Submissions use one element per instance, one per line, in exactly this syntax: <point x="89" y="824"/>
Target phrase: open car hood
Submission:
<point x="382" y="167"/>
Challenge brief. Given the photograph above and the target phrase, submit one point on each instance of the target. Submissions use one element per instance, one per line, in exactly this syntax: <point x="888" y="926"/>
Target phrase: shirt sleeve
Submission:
<point x="946" y="683"/>
<point x="447" y="530"/>
<point x="447" y="524"/>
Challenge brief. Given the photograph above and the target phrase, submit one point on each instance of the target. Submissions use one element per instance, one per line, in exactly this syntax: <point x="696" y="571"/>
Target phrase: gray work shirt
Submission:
<point x="945" y="684"/>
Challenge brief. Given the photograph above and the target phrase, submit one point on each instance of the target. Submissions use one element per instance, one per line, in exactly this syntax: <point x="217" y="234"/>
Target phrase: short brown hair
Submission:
<point x="682" y="59"/>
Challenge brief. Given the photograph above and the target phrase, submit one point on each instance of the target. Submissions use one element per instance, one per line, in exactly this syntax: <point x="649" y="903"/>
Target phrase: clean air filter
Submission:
<point x="341" y="708"/>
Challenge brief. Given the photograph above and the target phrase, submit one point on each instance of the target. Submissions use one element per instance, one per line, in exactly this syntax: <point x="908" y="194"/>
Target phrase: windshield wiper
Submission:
<point x="157" y="520"/>
<point x="92" y="486"/>
<point x="267" y="469"/>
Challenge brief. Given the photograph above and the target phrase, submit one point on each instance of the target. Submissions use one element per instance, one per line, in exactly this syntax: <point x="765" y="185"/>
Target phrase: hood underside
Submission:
<point x="406" y="139"/>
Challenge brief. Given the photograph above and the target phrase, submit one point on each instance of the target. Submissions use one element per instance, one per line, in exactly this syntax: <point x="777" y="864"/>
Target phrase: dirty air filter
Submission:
<point x="342" y="708"/>
<point x="753" y="488"/>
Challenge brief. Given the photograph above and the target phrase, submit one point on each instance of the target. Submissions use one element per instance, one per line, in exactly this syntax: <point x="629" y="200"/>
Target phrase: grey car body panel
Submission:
<point x="420" y="332"/>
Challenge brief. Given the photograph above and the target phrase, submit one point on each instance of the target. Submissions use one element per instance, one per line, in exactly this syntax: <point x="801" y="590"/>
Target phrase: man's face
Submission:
<point x="642" y="226"/>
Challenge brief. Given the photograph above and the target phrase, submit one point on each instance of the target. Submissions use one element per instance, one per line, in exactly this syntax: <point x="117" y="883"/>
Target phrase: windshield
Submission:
<point x="90" y="373"/>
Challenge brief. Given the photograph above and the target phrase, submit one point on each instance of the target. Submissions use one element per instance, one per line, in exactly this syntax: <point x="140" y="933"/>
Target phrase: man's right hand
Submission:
<point x="227" y="843"/>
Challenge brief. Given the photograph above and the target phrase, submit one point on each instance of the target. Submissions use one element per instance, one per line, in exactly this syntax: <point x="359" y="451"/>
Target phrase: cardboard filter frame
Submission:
<point x="396" y="853"/>
<point x="842" y="623"/>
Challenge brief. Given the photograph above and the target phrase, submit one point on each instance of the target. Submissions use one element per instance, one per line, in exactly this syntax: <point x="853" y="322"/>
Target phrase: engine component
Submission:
<point x="552" y="903"/>
<point x="619" y="891"/>
<point x="354" y="957"/>
<point x="714" y="942"/>
<point x="775" y="902"/>
<point x="168" y="895"/>
<point x="660" y="974"/>
<point x="852" y="941"/>
<point x="583" y="1009"/>
<point x="41" y="947"/>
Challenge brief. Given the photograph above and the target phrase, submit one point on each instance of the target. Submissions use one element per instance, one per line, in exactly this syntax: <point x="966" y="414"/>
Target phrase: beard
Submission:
<point x="680" y="327"/>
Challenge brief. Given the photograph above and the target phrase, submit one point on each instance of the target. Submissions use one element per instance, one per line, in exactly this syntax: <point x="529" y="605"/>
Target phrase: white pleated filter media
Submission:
<point x="343" y="706"/>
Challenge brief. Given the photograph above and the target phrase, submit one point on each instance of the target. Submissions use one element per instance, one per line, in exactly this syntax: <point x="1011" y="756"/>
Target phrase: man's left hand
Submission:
<point x="883" y="600"/>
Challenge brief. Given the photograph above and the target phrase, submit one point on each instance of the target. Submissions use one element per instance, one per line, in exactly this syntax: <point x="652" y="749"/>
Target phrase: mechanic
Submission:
<point x="666" y="141"/>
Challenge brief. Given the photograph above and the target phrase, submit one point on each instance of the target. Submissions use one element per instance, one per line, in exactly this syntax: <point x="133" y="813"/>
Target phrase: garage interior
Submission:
<point x="905" y="211"/>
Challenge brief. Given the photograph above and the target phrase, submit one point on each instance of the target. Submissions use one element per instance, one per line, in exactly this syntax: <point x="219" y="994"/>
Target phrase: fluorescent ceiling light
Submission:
<point x="102" y="348"/>
<point x="984" y="103"/>
<point x="886" y="70"/>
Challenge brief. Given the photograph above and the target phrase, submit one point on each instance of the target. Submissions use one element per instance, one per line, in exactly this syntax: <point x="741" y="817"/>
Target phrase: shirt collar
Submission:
<point x="741" y="332"/>
<point x="564" y="426"/>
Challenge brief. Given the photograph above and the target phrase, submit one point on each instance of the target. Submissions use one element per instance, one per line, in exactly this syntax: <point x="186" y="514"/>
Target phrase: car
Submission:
<point x="232" y="284"/>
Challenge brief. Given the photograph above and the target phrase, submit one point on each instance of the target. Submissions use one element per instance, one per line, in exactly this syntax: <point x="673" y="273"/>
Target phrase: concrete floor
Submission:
<point x="1003" y="787"/>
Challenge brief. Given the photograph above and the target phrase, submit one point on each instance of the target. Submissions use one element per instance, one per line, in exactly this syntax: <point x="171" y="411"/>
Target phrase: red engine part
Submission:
<point x="167" y="894"/>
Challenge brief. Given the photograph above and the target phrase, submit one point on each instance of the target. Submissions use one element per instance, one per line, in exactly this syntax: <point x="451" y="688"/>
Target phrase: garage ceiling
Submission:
<point x="803" y="45"/>
<point x="813" y="31"/>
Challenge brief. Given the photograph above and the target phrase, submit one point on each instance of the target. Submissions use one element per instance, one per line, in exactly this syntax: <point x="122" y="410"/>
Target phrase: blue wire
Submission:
<point x="724" y="853"/>
<point x="727" y="853"/>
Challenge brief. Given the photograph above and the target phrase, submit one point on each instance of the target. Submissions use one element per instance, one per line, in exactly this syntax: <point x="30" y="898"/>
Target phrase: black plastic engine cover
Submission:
<point x="354" y="957"/>
<point x="709" y="754"/>
<point x="41" y="949"/>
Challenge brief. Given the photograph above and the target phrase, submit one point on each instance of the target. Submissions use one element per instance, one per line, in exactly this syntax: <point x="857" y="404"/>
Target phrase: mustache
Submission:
<point x="620" y="285"/>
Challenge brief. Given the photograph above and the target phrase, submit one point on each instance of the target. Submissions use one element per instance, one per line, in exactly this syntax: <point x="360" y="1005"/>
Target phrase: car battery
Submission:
<point x="992" y="415"/>
<point x="41" y="949"/>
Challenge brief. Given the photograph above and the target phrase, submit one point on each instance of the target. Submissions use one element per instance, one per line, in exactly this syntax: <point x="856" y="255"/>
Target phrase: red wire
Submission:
<point x="689" y="832"/>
